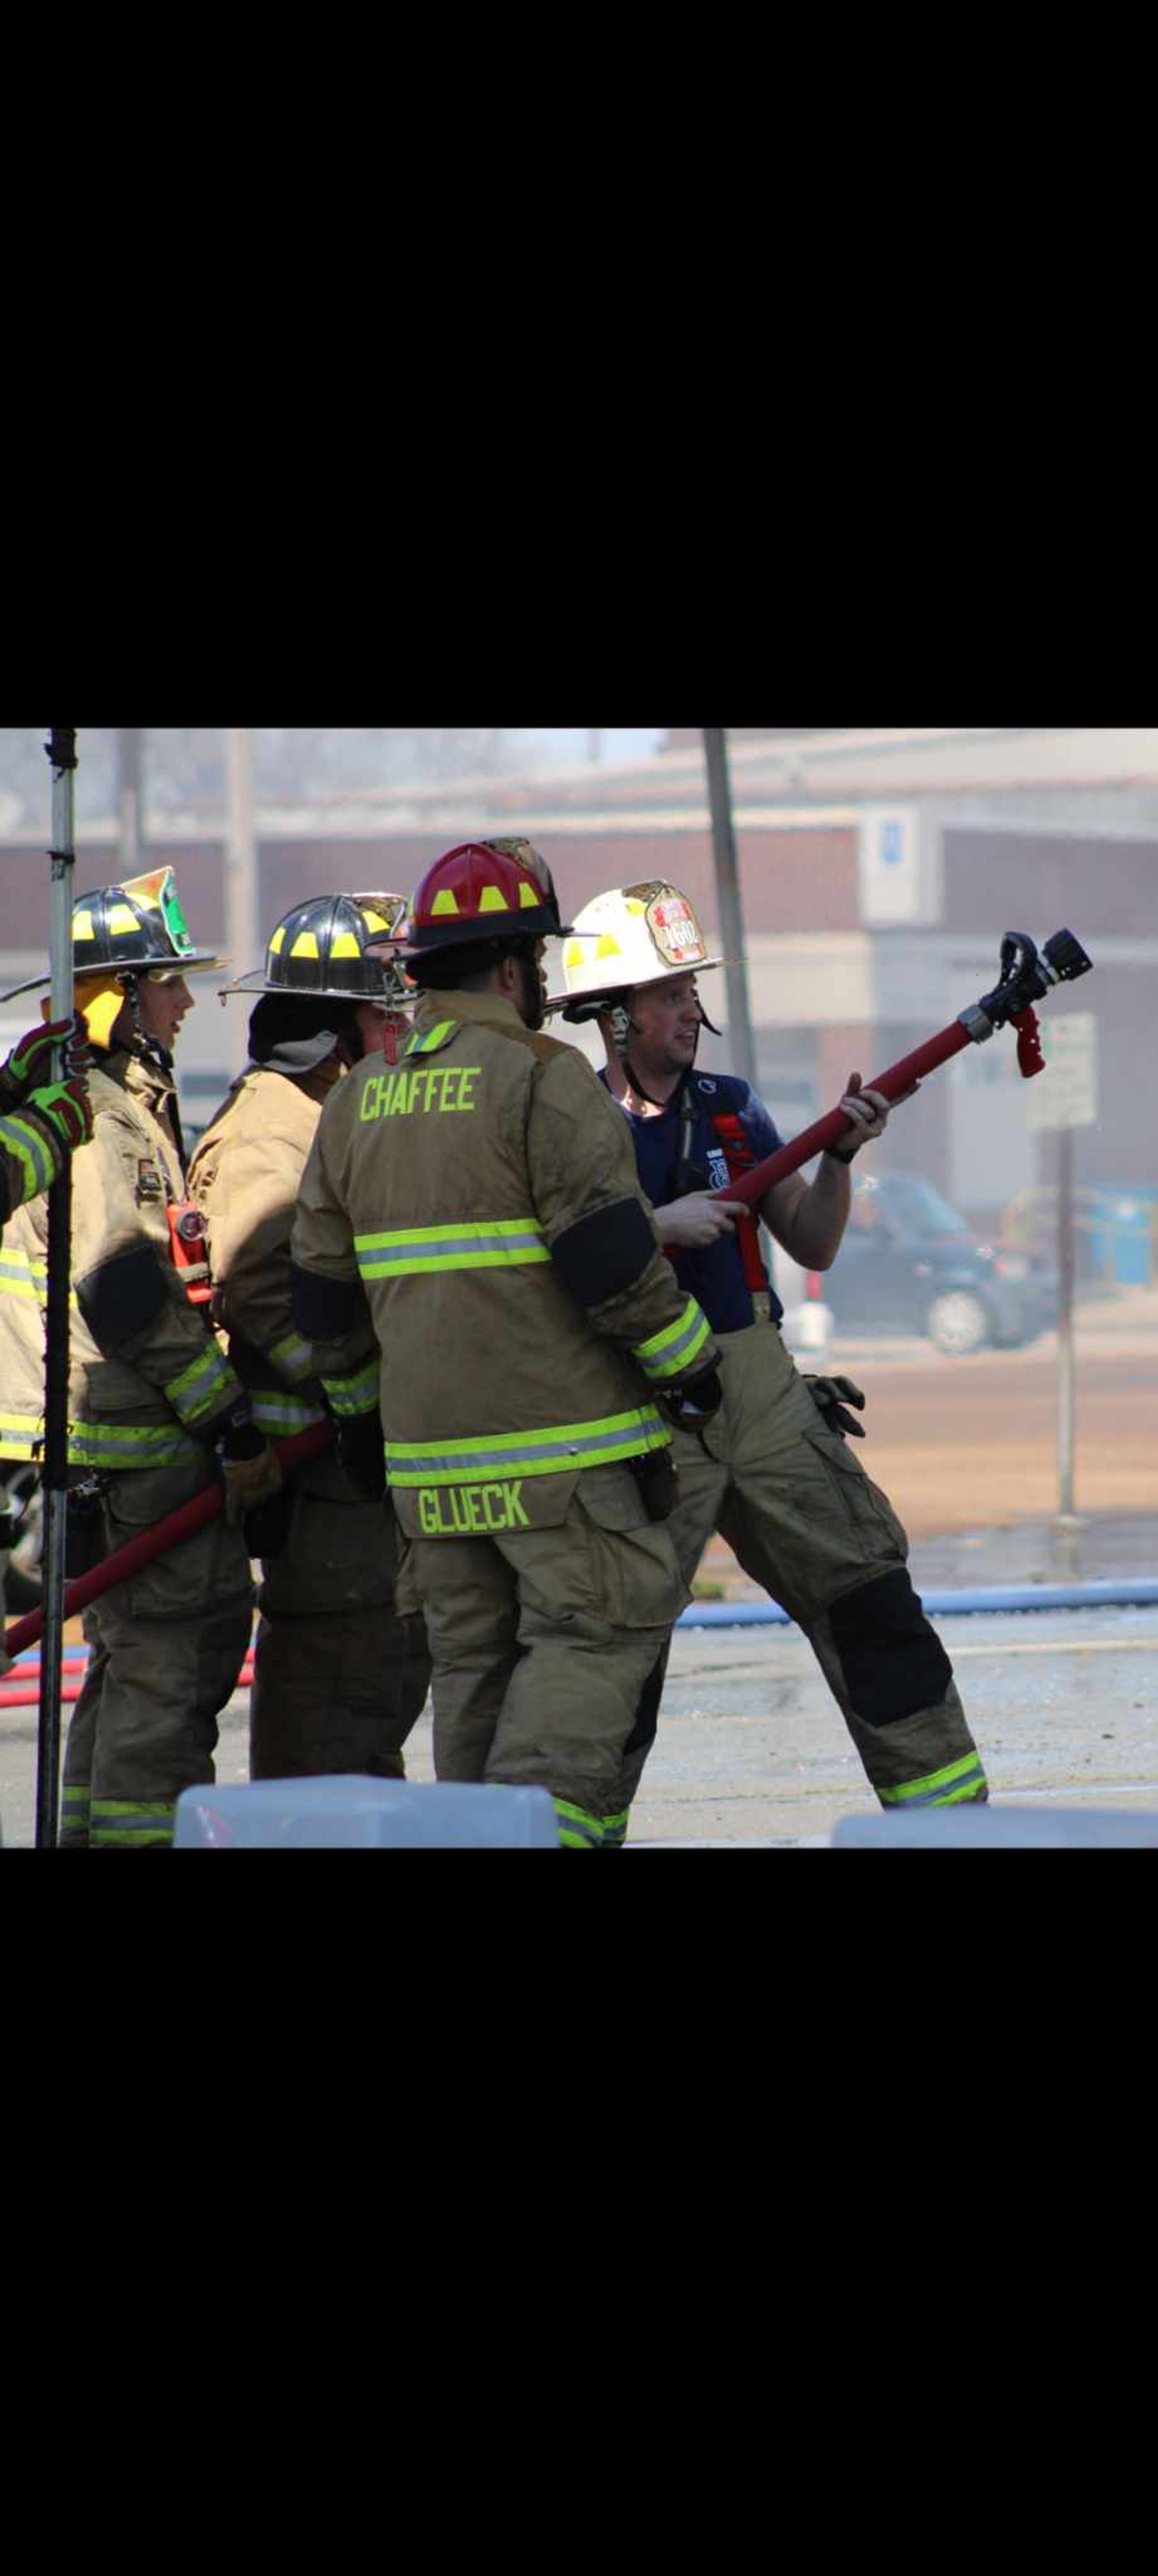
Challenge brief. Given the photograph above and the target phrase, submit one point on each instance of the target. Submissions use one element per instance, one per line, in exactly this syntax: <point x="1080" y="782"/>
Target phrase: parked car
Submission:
<point x="909" y="1263"/>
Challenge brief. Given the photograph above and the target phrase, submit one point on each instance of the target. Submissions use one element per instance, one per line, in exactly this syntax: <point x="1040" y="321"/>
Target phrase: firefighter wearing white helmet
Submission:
<point x="772" y="1470"/>
<point x="156" y="1410"/>
<point x="340" y="1673"/>
<point x="472" y="1249"/>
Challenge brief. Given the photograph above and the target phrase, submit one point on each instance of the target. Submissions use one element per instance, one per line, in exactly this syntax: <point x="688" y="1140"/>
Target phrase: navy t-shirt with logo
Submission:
<point x="715" y="1276"/>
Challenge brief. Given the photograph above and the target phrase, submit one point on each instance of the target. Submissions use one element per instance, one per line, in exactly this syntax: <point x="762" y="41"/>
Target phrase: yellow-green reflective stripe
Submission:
<point x="111" y="1444"/>
<point x="670" y="1351"/>
<point x="424" y="1042"/>
<point x="354" y="1394"/>
<point x="19" y="1278"/>
<point x="31" y="1151"/>
<point x="21" y="1437"/>
<point x="528" y="1453"/>
<point x="280" y="1413"/>
<point x="967" y="1773"/>
<point x="578" y="1831"/>
<point x="615" y="1828"/>
<point x="198" y="1388"/>
<point x="404" y="1252"/>
<point x="293" y="1357"/>
<point x="127" y="1820"/>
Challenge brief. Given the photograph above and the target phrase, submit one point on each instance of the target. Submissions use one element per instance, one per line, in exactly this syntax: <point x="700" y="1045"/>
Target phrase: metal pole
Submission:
<point x="129" y="799"/>
<point x="61" y="749"/>
<point x="243" y="945"/>
<point x="740" y="1043"/>
<point x="1065" y="1326"/>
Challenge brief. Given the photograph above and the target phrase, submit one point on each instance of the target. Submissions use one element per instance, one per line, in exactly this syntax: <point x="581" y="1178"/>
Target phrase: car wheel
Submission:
<point x="958" y="1322"/>
<point x="22" y="1580"/>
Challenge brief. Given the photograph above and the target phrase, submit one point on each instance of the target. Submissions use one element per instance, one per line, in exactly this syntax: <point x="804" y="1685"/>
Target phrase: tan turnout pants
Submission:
<point x="543" y="1643"/>
<point x="165" y="1650"/>
<point x="806" y="1522"/>
<point x="340" y="1674"/>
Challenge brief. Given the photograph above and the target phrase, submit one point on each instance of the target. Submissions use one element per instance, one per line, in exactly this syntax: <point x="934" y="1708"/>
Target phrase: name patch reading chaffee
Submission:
<point x="425" y="1087"/>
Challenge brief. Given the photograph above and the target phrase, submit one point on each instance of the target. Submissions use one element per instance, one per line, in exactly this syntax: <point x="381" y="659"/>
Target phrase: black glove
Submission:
<point x="362" y="1452"/>
<point x="695" y="1401"/>
<point x="826" y="1393"/>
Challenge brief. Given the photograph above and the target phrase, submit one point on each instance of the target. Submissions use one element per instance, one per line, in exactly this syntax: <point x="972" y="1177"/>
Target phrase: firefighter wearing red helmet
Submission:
<point x="473" y="1251"/>
<point x="339" y="1674"/>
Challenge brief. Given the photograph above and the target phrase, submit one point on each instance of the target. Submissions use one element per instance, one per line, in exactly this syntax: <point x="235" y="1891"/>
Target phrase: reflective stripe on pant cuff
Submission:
<point x="578" y="1831"/>
<point x="615" y="1830"/>
<point x="125" y="1822"/>
<point x="964" y="1779"/>
<point x="74" y="1815"/>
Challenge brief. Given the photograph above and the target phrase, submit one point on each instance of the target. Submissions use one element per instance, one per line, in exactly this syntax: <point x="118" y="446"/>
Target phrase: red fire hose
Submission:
<point x="1025" y="978"/>
<point x="164" y="1534"/>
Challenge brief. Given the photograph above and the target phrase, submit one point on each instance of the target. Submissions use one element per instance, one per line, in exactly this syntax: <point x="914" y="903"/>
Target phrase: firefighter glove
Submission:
<point x="68" y="1110"/>
<point x="695" y="1401"/>
<point x="30" y="1062"/>
<point x="362" y="1452"/>
<point x="832" y="1396"/>
<point x="250" y="1467"/>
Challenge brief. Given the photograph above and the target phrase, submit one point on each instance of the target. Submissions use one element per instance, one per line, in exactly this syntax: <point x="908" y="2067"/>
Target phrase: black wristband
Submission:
<point x="834" y="1157"/>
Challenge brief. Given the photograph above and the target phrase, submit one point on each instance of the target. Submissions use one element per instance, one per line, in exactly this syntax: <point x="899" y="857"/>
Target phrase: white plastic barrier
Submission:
<point x="1001" y="1828"/>
<point x="347" y="1812"/>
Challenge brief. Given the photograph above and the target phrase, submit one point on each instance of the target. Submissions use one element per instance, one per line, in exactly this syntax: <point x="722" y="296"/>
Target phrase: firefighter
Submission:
<point x="772" y="1470"/>
<point x="477" y="1270"/>
<point x="339" y="1676"/>
<point x="40" y="1122"/>
<point x="156" y="1410"/>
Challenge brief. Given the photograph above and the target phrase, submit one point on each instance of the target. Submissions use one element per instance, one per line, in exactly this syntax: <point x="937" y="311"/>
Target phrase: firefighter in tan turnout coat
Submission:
<point x="339" y="1677"/>
<point x="156" y="1411"/>
<point x="473" y="1252"/>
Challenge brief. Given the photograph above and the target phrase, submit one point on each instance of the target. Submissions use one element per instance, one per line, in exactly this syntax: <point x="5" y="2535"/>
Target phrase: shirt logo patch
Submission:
<point x="717" y="1168"/>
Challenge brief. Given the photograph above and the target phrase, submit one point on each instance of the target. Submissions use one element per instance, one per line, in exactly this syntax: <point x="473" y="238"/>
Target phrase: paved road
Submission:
<point x="752" y="1751"/>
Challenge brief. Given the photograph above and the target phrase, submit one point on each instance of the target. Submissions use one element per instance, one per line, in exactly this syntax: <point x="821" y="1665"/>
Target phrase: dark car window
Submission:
<point x="915" y="1207"/>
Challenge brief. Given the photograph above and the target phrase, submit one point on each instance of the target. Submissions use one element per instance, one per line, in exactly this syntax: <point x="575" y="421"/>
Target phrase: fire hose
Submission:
<point x="1026" y="976"/>
<point x="164" y="1534"/>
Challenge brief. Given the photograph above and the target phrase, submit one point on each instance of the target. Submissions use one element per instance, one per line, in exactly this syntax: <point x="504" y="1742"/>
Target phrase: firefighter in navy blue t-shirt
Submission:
<point x="771" y="1470"/>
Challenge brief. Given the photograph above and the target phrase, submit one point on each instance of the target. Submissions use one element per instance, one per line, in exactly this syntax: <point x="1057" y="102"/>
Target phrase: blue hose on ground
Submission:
<point x="1139" y="1592"/>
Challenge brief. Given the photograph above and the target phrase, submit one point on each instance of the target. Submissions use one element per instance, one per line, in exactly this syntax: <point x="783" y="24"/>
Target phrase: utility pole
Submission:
<point x="130" y="803"/>
<point x="740" y="1042"/>
<point x="243" y="947"/>
<point x="1065" y="1329"/>
<point x="61" y="749"/>
<point x="595" y="747"/>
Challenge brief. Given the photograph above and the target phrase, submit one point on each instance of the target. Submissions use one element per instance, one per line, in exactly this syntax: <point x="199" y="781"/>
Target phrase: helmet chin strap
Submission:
<point x="144" y="1045"/>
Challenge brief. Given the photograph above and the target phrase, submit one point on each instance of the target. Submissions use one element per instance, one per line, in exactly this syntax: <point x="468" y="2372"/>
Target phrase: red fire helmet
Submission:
<point x="484" y="890"/>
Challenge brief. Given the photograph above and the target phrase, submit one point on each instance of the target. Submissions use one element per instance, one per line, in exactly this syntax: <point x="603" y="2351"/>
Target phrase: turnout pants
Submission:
<point x="340" y="1674"/>
<point x="806" y="1522"/>
<point x="165" y="1650"/>
<point x="547" y="1647"/>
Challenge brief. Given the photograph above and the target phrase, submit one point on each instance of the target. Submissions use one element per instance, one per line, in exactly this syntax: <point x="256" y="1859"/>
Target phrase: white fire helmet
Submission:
<point x="637" y="934"/>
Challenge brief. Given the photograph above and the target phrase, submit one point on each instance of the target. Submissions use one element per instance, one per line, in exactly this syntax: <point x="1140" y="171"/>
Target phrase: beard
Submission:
<point x="532" y="994"/>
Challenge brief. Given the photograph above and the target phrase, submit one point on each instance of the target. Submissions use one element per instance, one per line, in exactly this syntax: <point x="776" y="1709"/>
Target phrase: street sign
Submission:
<point x="1066" y="1094"/>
